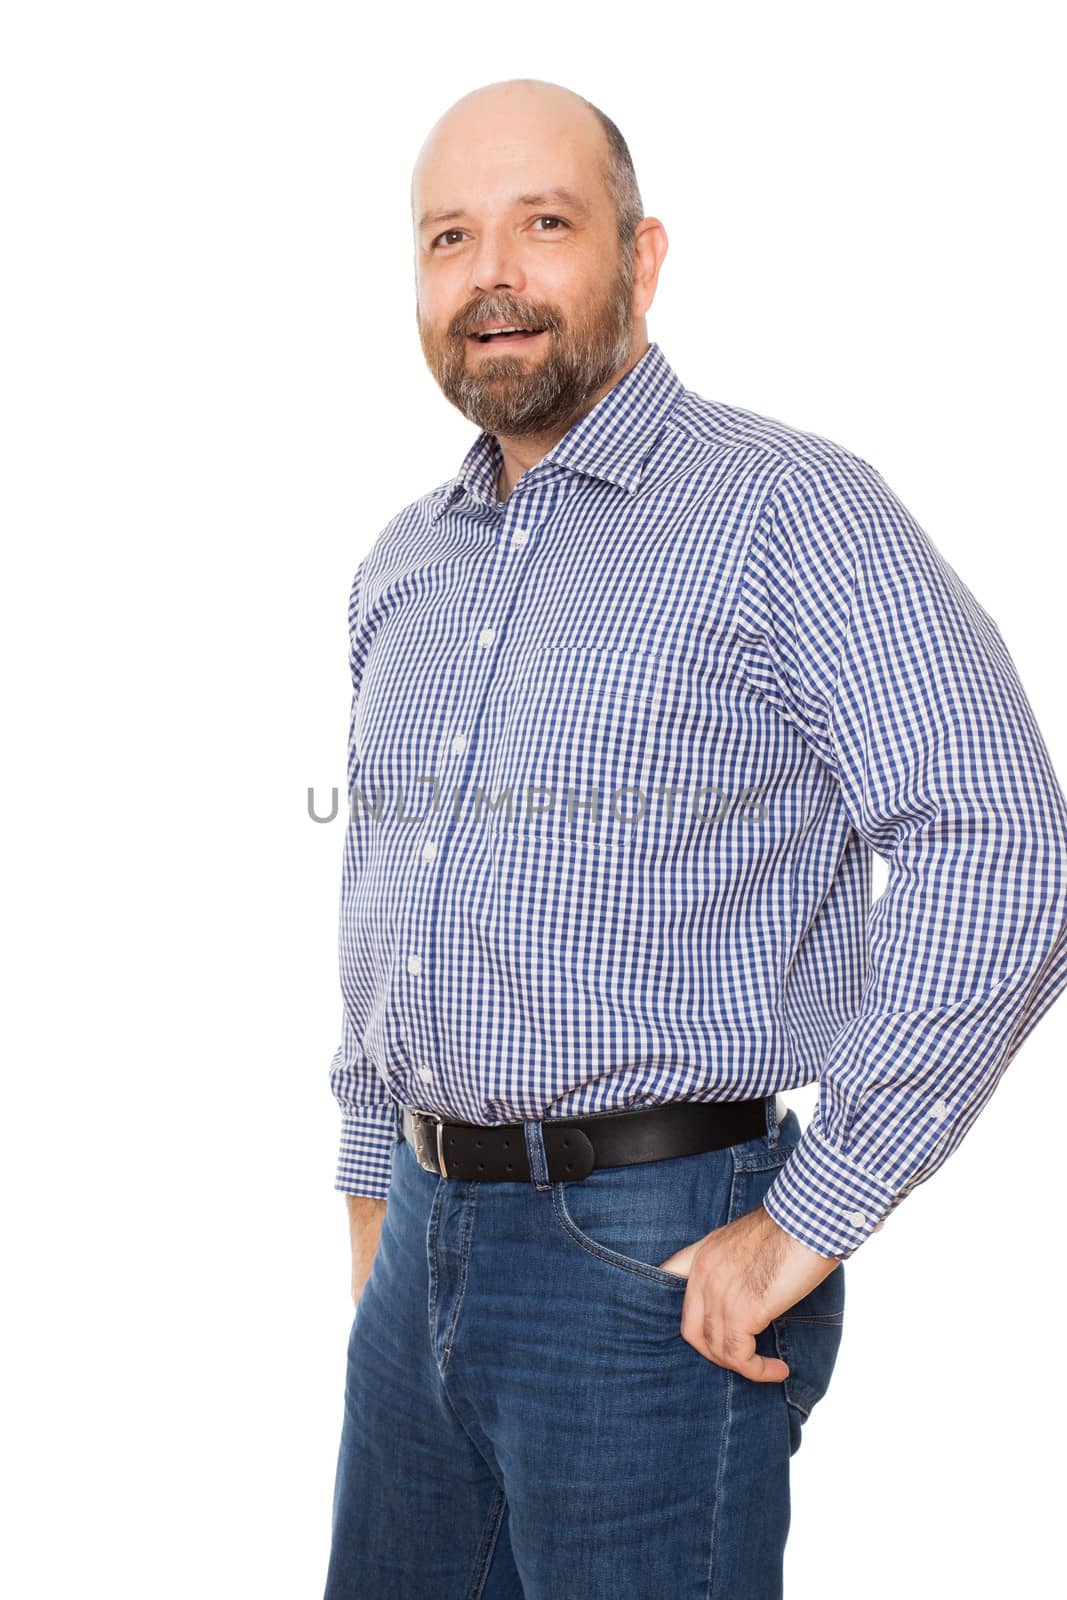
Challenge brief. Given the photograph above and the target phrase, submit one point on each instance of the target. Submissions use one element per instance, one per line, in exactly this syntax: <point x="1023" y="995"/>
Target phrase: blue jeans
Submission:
<point x="523" y="1419"/>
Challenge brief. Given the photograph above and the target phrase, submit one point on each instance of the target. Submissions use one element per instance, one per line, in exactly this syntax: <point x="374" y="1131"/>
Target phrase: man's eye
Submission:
<point x="560" y="220"/>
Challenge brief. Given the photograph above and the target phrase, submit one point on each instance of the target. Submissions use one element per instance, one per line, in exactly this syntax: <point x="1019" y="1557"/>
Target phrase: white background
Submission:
<point x="213" y="399"/>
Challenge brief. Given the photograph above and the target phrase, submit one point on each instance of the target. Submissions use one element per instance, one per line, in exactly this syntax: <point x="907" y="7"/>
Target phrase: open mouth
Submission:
<point x="507" y="336"/>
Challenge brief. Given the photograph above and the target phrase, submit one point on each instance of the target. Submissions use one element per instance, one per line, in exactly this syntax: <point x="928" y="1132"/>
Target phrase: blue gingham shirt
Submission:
<point x="621" y="748"/>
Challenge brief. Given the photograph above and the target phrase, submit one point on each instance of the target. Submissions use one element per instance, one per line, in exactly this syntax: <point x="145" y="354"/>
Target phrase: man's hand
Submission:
<point x="741" y="1276"/>
<point x="365" y="1218"/>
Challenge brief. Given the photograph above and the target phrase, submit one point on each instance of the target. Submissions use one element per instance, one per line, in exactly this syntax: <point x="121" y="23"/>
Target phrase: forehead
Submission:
<point x="491" y="159"/>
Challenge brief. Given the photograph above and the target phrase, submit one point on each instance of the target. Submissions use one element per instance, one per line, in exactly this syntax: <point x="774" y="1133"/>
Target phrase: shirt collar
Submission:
<point x="612" y="441"/>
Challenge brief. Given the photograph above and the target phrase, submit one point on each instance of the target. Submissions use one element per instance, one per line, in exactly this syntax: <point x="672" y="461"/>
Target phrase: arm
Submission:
<point x="368" y="1124"/>
<point x="365" y="1218"/>
<point x="861" y="635"/>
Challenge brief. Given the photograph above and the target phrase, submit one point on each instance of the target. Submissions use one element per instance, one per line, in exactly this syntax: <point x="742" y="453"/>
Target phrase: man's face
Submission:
<point x="550" y="262"/>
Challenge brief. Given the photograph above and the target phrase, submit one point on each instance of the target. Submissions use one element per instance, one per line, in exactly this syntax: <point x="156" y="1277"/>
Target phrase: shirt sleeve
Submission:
<point x="855" y="629"/>
<point x="368" y="1120"/>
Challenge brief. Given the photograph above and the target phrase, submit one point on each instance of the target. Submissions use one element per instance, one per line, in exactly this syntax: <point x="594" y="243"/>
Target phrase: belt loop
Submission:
<point x="771" y="1109"/>
<point x="535" y="1152"/>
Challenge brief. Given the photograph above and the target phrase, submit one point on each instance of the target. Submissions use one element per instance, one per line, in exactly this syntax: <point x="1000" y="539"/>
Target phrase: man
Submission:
<point x="636" y="696"/>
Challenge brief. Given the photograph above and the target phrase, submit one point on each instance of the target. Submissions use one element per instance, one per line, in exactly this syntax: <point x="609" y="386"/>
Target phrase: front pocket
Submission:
<point x="631" y="1218"/>
<point x="616" y="1258"/>
<point x="579" y="744"/>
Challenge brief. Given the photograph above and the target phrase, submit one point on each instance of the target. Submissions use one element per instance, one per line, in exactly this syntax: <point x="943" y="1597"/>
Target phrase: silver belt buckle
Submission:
<point x="420" y="1149"/>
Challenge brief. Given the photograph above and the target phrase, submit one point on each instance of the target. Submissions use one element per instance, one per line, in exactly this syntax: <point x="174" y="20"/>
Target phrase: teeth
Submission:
<point x="488" y="332"/>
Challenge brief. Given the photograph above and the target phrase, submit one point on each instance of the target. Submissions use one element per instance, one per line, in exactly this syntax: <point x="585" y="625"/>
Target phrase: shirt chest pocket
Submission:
<point x="582" y="721"/>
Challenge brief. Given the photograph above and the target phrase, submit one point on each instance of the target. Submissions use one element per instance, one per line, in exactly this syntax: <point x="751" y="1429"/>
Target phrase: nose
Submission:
<point x="495" y="264"/>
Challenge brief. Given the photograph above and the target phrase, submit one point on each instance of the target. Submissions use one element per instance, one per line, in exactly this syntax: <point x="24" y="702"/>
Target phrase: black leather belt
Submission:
<point x="575" y="1145"/>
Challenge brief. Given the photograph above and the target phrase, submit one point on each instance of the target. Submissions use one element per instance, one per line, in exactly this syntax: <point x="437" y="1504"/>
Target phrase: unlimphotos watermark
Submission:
<point x="628" y="805"/>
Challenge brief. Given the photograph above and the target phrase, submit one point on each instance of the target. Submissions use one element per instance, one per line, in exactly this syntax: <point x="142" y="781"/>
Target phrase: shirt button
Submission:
<point x="520" y="536"/>
<point x="857" y="1218"/>
<point x="429" y="850"/>
<point x="424" y="1072"/>
<point x="414" y="964"/>
<point x="486" y="636"/>
<point x="939" y="1111"/>
<point x="459" y="743"/>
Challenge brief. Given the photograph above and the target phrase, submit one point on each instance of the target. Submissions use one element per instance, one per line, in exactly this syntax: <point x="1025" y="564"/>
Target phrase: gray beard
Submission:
<point x="545" y="398"/>
<point x="552" y="395"/>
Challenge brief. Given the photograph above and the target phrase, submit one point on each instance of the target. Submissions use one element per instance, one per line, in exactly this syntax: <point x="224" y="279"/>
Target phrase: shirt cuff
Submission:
<point x="365" y="1161"/>
<point x="820" y="1198"/>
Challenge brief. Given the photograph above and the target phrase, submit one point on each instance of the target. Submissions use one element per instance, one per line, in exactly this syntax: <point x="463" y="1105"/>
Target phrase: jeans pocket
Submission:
<point x="632" y="1218"/>
<point x="625" y="1240"/>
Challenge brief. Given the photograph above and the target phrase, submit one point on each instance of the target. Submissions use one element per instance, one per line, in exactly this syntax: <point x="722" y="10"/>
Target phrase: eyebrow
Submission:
<point x="566" y="197"/>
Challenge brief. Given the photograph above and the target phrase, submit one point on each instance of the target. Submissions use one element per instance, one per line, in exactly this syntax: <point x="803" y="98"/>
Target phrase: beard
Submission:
<point x="524" y="396"/>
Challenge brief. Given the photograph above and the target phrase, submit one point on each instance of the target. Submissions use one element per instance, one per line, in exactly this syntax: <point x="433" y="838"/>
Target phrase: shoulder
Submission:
<point x="413" y="519"/>
<point x="404" y="533"/>
<point x="796" y="452"/>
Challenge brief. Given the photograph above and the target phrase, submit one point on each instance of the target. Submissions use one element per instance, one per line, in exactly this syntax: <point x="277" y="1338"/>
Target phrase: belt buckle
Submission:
<point x="420" y="1151"/>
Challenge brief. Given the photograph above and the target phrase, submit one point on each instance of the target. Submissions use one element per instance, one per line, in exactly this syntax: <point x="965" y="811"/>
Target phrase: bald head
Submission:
<point x="531" y="118"/>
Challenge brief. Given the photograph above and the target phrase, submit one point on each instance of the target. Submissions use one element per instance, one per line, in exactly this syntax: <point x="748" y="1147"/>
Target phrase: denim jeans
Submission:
<point x="522" y="1417"/>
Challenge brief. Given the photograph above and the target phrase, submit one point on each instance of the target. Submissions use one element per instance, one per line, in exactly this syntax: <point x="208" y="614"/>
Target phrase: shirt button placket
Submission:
<point x="486" y="637"/>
